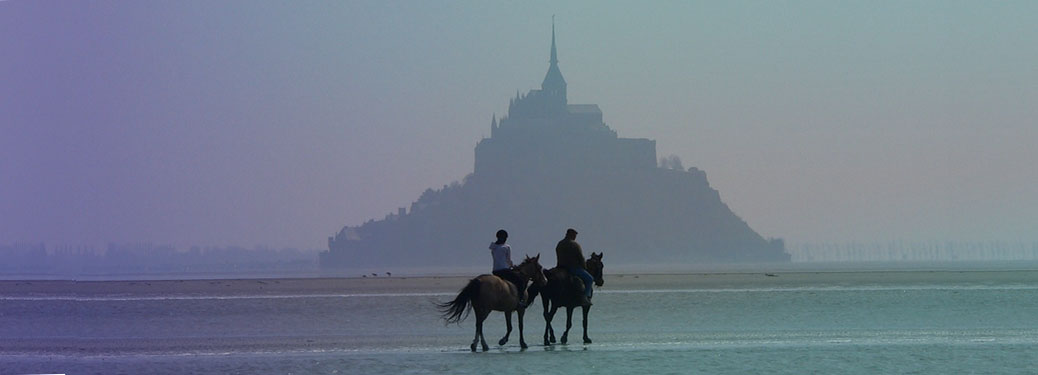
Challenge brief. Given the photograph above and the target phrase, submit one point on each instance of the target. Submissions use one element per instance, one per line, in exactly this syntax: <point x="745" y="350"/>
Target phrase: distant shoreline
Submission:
<point x="358" y="286"/>
<point x="470" y="271"/>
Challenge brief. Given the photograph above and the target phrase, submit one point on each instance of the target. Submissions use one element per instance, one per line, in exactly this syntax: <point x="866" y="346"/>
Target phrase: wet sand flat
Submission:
<point x="734" y="322"/>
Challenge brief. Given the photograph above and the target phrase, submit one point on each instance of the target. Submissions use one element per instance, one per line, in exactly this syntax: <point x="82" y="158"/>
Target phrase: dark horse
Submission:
<point x="487" y="293"/>
<point x="564" y="290"/>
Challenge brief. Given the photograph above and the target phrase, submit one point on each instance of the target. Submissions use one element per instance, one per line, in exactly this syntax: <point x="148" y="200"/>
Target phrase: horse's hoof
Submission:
<point x="563" y="340"/>
<point x="485" y="348"/>
<point x="587" y="340"/>
<point x="546" y="343"/>
<point x="473" y="347"/>
<point x="502" y="342"/>
<point x="522" y="345"/>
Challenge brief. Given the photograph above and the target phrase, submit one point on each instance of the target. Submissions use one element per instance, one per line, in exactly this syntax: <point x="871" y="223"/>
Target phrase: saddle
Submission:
<point x="569" y="284"/>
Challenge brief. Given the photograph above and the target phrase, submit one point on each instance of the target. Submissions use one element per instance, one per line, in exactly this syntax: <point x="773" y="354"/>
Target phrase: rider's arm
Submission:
<point x="508" y="256"/>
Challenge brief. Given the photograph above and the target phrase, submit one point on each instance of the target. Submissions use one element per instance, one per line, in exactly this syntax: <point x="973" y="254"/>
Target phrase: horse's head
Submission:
<point x="531" y="268"/>
<point x="594" y="267"/>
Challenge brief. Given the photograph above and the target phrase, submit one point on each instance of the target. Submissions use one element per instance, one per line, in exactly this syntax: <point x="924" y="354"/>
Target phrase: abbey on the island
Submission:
<point x="543" y="131"/>
<point x="548" y="166"/>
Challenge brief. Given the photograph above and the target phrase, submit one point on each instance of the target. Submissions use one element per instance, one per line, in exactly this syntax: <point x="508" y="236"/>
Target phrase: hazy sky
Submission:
<point x="245" y="122"/>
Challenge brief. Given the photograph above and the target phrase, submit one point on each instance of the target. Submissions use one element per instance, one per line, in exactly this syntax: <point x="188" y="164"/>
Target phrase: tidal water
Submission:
<point x="789" y="323"/>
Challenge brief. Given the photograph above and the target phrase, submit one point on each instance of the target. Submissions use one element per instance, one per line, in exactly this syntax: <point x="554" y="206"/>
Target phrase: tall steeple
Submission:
<point x="554" y="56"/>
<point x="554" y="85"/>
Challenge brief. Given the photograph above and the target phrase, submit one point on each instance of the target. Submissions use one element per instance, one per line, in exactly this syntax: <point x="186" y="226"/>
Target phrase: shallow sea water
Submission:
<point x="793" y="323"/>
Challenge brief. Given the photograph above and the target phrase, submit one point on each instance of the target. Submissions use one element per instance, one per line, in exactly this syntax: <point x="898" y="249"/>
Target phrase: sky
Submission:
<point x="276" y="123"/>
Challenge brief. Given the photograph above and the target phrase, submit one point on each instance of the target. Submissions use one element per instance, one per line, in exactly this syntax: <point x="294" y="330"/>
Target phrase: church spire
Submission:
<point x="554" y="57"/>
<point x="554" y="85"/>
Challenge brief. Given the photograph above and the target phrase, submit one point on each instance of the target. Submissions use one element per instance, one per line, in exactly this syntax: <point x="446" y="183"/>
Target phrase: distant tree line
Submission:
<point x="671" y="162"/>
<point x="914" y="251"/>
<point x="146" y="258"/>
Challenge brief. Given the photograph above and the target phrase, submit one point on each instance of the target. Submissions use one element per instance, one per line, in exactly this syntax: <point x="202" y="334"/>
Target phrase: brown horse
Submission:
<point x="487" y="293"/>
<point x="564" y="290"/>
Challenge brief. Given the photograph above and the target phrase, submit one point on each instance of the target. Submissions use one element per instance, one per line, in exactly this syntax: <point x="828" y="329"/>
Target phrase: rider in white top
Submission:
<point x="503" y="266"/>
<point x="502" y="256"/>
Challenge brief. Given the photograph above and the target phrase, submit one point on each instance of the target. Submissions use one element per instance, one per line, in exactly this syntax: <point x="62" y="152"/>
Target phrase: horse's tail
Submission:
<point x="457" y="310"/>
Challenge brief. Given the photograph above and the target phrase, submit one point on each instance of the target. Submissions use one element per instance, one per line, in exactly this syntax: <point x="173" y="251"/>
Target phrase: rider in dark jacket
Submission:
<point x="569" y="255"/>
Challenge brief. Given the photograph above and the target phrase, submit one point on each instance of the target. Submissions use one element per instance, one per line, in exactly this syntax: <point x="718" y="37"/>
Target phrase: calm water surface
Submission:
<point x="795" y="323"/>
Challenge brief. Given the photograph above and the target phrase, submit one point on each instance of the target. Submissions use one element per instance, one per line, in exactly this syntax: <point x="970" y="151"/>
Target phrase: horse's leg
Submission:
<point x="482" y="338"/>
<point x="549" y="332"/>
<point x="481" y="315"/>
<point x="508" y="325"/>
<point x="548" y="315"/>
<point x="569" y="323"/>
<point x="586" y="339"/>
<point x="522" y="340"/>
<point x="479" y="330"/>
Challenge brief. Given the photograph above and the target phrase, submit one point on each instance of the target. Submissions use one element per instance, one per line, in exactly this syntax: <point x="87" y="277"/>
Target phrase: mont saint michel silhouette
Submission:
<point x="547" y="166"/>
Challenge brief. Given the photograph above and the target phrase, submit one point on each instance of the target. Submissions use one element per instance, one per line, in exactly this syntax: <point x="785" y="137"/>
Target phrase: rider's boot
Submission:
<point x="584" y="301"/>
